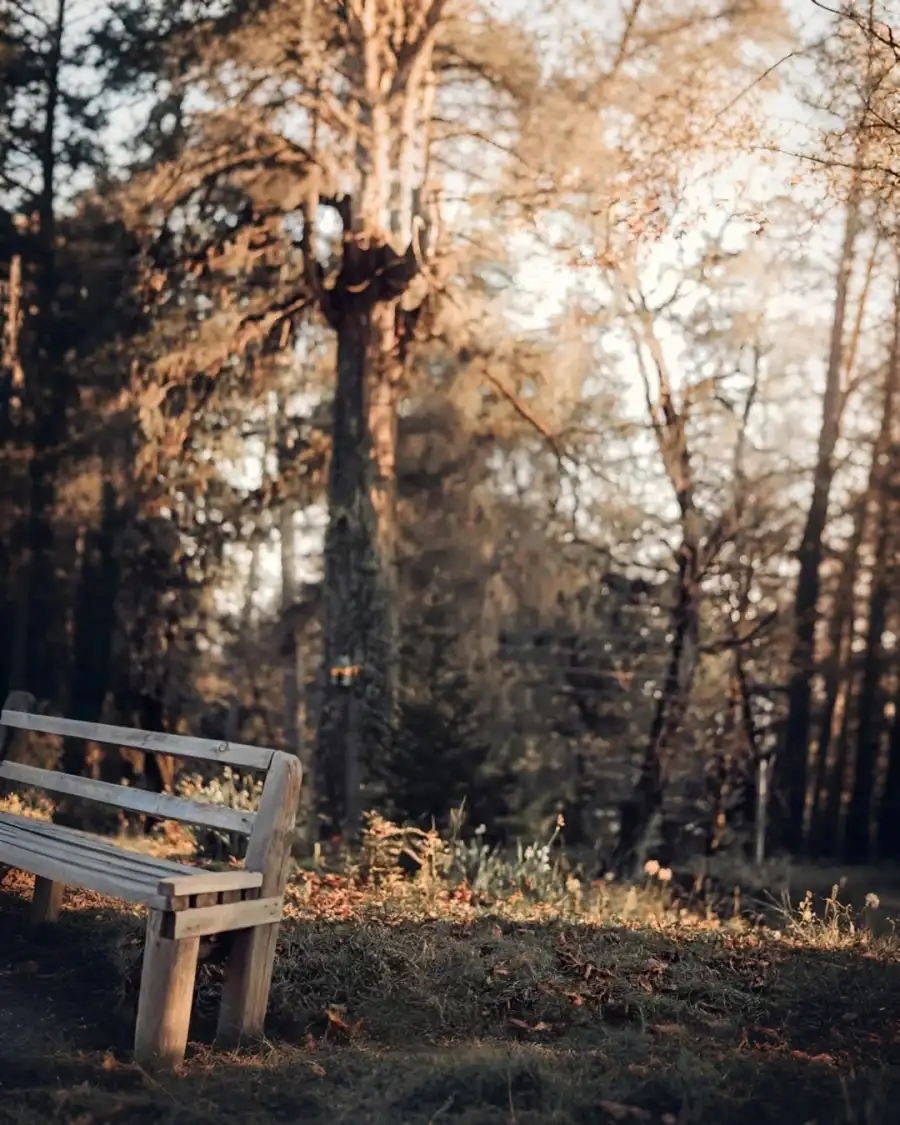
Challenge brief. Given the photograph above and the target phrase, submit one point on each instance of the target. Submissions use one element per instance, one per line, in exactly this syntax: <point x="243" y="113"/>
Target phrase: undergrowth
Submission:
<point x="431" y="978"/>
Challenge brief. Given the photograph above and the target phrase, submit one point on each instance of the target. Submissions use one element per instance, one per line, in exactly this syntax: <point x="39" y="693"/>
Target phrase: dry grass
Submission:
<point x="407" y="1000"/>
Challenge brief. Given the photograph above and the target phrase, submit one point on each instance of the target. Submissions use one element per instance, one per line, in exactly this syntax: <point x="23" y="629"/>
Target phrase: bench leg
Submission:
<point x="46" y="902"/>
<point x="166" y="996"/>
<point x="248" y="978"/>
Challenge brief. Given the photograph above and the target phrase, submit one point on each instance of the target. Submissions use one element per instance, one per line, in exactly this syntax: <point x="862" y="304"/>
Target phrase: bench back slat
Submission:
<point x="159" y="805"/>
<point x="179" y="746"/>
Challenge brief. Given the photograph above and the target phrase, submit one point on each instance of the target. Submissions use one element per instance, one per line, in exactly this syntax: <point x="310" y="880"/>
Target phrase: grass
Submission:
<point x="407" y="999"/>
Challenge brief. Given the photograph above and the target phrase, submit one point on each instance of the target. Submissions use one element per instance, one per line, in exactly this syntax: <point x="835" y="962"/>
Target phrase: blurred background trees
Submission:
<point x="488" y="402"/>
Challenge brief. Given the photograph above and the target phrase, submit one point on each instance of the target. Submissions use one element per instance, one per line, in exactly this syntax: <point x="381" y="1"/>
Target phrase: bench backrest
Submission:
<point x="282" y="771"/>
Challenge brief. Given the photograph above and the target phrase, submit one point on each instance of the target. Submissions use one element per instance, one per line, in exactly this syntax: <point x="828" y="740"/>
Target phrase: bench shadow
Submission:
<point x="495" y="1022"/>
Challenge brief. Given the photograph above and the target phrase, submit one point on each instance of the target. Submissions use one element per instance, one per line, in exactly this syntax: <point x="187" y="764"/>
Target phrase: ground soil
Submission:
<point x="575" y="1025"/>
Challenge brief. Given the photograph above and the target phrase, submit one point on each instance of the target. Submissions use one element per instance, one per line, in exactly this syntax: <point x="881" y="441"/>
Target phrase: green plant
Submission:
<point x="535" y="870"/>
<point x="231" y="790"/>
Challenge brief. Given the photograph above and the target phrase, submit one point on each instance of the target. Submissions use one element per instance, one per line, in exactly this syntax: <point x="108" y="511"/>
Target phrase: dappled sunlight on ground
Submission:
<point x="412" y="1003"/>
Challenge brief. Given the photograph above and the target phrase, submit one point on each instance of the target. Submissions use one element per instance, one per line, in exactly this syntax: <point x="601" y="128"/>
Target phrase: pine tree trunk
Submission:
<point x="871" y="703"/>
<point x="382" y="252"/>
<point x="889" y="813"/>
<point x="840" y="640"/>
<point x="793" y="760"/>
<point x="43" y="623"/>
<point x="291" y="683"/>
<point x="356" y="705"/>
<point x="384" y="386"/>
<point x="832" y="821"/>
<point x="94" y="623"/>
<point x="641" y="813"/>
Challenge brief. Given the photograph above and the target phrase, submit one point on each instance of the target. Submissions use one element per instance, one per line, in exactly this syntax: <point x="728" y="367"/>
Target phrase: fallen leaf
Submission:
<point x="539" y="1026"/>
<point x="335" y="1019"/>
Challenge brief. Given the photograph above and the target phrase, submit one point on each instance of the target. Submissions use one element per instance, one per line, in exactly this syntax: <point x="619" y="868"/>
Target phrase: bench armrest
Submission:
<point x="209" y="882"/>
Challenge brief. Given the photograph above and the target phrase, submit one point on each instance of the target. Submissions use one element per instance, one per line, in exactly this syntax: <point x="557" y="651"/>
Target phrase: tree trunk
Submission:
<point x="871" y="703"/>
<point x="384" y="388"/>
<point x="94" y="624"/>
<point x="793" y="759"/>
<point x="889" y="813"/>
<point x="44" y="643"/>
<point x="836" y="670"/>
<point x="355" y="710"/>
<point x="640" y="815"/>
<point x="291" y="681"/>
<point x="832" y="823"/>
<point x="387" y="95"/>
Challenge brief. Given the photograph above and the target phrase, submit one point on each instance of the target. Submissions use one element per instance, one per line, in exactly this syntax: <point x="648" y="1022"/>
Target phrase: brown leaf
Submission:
<point x="539" y="1026"/>
<point x="335" y="1021"/>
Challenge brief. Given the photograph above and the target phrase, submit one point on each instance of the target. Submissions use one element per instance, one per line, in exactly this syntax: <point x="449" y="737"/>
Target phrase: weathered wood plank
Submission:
<point x="217" y="881"/>
<point x="119" y="863"/>
<point x="156" y="742"/>
<point x="245" y="992"/>
<point x="64" y="868"/>
<point x="200" y="921"/>
<point x="15" y="701"/>
<point x="47" y="900"/>
<point x="166" y="996"/>
<point x="144" y="801"/>
<point x="27" y="827"/>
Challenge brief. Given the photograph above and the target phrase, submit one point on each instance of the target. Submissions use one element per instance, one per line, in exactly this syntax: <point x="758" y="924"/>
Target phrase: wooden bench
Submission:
<point x="185" y="903"/>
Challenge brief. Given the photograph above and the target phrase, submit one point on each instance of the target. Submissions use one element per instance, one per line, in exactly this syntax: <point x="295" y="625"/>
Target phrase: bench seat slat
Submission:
<point x="68" y="856"/>
<point x="159" y="805"/>
<point x="67" y="868"/>
<point x="127" y="865"/>
<point x="62" y="865"/>
<point x="124" y="864"/>
<point x="179" y="746"/>
<point x="83" y="841"/>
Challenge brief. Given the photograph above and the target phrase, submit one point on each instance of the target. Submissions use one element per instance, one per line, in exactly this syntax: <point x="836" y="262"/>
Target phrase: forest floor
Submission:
<point x="407" y="1004"/>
